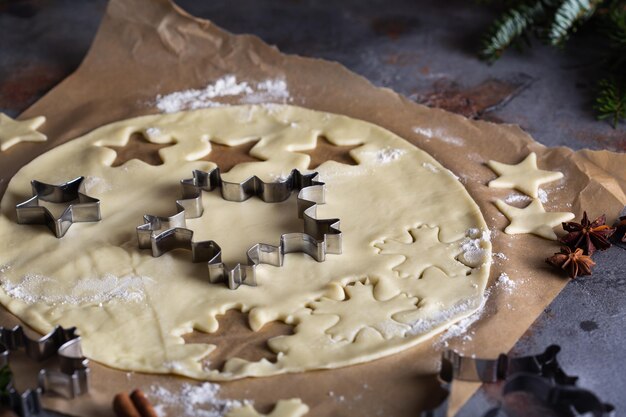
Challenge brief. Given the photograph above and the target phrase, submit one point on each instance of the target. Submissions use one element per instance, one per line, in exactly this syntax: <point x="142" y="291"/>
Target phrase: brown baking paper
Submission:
<point x="145" y="48"/>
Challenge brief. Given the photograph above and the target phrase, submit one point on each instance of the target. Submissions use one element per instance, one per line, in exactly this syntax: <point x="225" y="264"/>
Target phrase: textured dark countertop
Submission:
<point x="426" y="51"/>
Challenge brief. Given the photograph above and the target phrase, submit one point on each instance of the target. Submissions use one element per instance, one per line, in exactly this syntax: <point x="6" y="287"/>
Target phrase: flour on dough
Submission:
<point x="13" y="131"/>
<point x="525" y="176"/>
<point x="140" y="327"/>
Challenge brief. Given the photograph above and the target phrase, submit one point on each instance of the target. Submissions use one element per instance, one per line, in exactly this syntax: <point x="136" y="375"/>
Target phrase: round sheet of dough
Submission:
<point x="413" y="258"/>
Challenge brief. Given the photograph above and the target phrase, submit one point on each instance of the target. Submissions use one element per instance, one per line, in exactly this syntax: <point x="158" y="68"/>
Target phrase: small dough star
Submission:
<point x="525" y="176"/>
<point x="532" y="219"/>
<point x="13" y="131"/>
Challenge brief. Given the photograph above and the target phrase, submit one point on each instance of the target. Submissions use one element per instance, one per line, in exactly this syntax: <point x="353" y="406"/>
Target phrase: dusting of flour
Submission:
<point x="521" y="198"/>
<point x="474" y="254"/>
<point x="386" y="155"/>
<point x="440" y="134"/>
<point x="423" y="326"/>
<point x="462" y="327"/>
<point x="506" y="283"/>
<point x="96" y="185"/>
<point x="37" y="288"/>
<point x="474" y="247"/>
<point x="192" y="401"/>
<point x="227" y="86"/>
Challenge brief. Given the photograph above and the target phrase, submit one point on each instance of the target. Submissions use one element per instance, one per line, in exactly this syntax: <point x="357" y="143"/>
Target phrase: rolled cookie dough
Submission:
<point x="132" y="309"/>
<point x="284" y="408"/>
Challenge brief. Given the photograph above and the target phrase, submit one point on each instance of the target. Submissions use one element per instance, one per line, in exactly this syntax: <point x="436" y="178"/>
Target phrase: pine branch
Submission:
<point x="5" y="380"/>
<point x="611" y="101"/>
<point x="615" y="26"/>
<point x="568" y="16"/>
<point x="553" y="21"/>
<point x="509" y="28"/>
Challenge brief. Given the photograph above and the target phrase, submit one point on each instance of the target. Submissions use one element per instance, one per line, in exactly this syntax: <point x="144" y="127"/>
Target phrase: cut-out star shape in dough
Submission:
<point x="326" y="151"/>
<point x="138" y="147"/>
<point x="226" y="157"/>
<point x="13" y="131"/>
<point x="525" y="176"/>
<point x="532" y="219"/>
<point x="423" y="251"/>
<point x="361" y="309"/>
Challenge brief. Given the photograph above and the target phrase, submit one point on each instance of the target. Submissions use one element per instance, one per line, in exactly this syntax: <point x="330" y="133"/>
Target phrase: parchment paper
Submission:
<point x="148" y="47"/>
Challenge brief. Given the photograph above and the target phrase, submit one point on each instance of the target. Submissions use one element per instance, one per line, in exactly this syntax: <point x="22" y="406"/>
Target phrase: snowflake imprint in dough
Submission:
<point x="137" y="333"/>
<point x="419" y="252"/>
<point x="361" y="309"/>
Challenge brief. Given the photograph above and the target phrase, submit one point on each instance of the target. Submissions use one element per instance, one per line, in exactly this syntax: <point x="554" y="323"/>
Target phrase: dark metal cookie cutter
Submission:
<point x="70" y="381"/>
<point x="319" y="237"/>
<point x="540" y="375"/>
<point x="618" y="235"/>
<point x="85" y="208"/>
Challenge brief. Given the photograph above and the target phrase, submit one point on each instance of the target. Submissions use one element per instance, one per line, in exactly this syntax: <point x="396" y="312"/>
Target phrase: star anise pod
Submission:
<point x="587" y="235"/>
<point x="576" y="263"/>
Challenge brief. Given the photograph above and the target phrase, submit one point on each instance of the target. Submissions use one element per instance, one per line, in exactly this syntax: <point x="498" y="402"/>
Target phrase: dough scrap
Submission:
<point x="132" y="310"/>
<point x="284" y="408"/>
<point x="532" y="219"/>
<point x="525" y="176"/>
<point x="14" y="131"/>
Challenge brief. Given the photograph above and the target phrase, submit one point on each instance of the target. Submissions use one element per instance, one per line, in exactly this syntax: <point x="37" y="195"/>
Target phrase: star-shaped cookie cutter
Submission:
<point x="86" y="209"/>
<point x="319" y="237"/>
<point x="70" y="381"/>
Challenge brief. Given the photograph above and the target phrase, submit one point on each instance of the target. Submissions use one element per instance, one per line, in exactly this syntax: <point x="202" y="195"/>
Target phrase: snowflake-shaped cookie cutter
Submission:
<point x="319" y="236"/>
<point x="538" y="375"/>
<point x="70" y="381"/>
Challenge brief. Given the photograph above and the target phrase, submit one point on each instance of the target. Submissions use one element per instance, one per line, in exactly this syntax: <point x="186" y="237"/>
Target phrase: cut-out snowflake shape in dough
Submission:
<point x="362" y="310"/>
<point x="423" y="251"/>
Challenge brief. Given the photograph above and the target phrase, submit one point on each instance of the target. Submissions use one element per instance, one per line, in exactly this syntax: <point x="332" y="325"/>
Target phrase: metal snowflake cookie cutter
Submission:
<point x="86" y="209"/>
<point x="70" y="381"/>
<point x="319" y="236"/>
<point x="564" y="398"/>
<point x="530" y="374"/>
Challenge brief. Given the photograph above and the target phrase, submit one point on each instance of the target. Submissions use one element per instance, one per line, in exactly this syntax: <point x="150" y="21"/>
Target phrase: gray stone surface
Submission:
<point x="426" y="51"/>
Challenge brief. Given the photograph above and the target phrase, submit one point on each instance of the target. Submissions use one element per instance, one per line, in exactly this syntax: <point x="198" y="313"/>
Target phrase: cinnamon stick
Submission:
<point x="142" y="404"/>
<point x="7" y="412"/>
<point x="123" y="406"/>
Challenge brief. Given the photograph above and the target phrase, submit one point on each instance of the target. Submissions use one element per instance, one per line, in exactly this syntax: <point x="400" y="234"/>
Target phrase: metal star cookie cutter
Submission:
<point x="70" y="381"/>
<point x="319" y="237"/>
<point x="87" y="209"/>
<point x="540" y="375"/>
